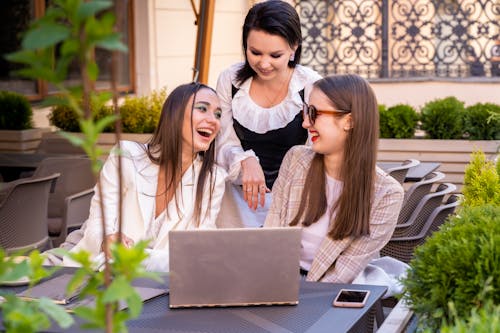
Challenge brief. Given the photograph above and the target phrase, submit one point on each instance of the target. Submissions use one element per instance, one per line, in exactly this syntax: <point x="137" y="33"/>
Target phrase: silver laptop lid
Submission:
<point x="229" y="267"/>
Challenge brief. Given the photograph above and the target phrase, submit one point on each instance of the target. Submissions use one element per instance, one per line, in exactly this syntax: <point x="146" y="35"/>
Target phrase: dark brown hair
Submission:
<point x="275" y="17"/>
<point x="346" y="92"/>
<point x="165" y="146"/>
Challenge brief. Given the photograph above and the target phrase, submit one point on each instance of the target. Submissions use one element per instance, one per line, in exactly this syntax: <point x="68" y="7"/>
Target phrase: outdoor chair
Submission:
<point x="23" y="214"/>
<point x="399" y="172"/>
<point x="424" y="209"/>
<point x="402" y="248"/>
<point x="415" y="193"/>
<point x="70" y="202"/>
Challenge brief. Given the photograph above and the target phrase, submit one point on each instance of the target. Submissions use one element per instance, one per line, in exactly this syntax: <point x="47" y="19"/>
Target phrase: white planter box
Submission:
<point x="453" y="155"/>
<point x="20" y="141"/>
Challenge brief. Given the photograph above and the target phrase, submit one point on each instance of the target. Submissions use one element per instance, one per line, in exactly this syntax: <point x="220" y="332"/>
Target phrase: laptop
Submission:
<point x="234" y="266"/>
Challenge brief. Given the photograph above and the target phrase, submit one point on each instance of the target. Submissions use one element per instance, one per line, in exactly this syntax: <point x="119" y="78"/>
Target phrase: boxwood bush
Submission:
<point x="138" y="114"/>
<point x="443" y="118"/>
<point x="483" y="320"/>
<point x="65" y="118"/>
<point x="141" y="114"/>
<point x="460" y="263"/>
<point x="481" y="181"/>
<point x="15" y="111"/>
<point x="398" y="121"/>
<point x="480" y="122"/>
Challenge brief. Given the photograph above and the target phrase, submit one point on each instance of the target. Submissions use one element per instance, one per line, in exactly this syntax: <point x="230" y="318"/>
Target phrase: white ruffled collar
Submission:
<point x="261" y="120"/>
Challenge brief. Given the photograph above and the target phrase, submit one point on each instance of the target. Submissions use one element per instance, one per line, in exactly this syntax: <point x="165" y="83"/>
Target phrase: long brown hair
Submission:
<point x="346" y="92"/>
<point x="165" y="146"/>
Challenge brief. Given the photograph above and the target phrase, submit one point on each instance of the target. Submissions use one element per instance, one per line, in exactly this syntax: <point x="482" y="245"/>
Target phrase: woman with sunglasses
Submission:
<point x="347" y="206"/>
<point x="170" y="183"/>
<point x="261" y="101"/>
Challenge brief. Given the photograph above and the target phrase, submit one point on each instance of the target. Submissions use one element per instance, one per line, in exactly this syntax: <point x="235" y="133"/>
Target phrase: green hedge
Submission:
<point x="398" y="121"/>
<point x="480" y="122"/>
<point x="442" y="118"/>
<point x="460" y="263"/>
<point x="482" y="320"/>
<point x="15" y="111"/>
<point x="138" y="114"/>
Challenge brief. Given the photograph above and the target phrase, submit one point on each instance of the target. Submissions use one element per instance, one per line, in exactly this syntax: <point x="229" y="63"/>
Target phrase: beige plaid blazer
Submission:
<point x="336" y="260"/>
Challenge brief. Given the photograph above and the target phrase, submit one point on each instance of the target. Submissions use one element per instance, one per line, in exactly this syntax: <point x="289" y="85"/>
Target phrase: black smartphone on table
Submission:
<point x="350" y="298"/>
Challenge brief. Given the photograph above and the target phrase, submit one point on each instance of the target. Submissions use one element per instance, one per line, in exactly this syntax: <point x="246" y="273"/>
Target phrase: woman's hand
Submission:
<point x="113" y="238"/>
<point x="254" y="183"/>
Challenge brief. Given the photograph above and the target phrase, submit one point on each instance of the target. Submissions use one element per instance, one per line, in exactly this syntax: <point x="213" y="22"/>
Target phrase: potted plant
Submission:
<point x="139" y="116"/>
<point x="76" y="28"/>
<point x="456" y="270"/>
<point x="447" y="132"/>
<point x="16" y="130"/>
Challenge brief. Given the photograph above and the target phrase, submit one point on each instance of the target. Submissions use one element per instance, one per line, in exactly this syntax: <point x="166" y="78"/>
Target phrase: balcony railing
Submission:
<point x="402" y="38"/>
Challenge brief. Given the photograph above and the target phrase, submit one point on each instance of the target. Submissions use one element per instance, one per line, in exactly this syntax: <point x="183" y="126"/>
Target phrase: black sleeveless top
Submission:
<point x="271" y="147"/>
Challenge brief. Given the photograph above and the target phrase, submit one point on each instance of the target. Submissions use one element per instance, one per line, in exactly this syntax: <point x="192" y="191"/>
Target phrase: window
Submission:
<point x="15" y="16"/>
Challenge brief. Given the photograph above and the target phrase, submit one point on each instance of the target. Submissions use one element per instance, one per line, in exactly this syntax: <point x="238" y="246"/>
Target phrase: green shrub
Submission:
<point x="483" y="320"/>
<point x="481" y="181"/>
<point x="141" y="114"/>
<point x="460" y="263"/>
<point x="443" y="118"/>
<point x="66" y="118"/>
<point x="385" y="132"/>
<point x="480" y="122"/>
<point x="398" y="121"/>
<point x="15" y="111"/>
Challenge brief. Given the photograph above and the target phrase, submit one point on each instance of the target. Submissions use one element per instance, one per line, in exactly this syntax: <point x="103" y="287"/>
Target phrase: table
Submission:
<point x="13" y="164"/>
<point x="415" y="173"/>
<point x="314" y="313"/>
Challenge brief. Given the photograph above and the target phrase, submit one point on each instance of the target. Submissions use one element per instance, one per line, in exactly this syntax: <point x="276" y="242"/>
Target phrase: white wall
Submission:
<point x="419" y="93"/>
<point x="165" y="36"/>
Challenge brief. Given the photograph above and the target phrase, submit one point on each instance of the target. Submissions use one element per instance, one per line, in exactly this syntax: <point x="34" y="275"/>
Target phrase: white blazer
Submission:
<point x="140" y="178"/>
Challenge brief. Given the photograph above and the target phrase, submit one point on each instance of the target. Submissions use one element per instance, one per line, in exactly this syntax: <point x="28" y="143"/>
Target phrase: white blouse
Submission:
<point x="313" y="235"/>
<point x="252" y="116"/>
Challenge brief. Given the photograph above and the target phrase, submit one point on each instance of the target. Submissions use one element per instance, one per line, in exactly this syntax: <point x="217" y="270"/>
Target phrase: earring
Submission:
<point x="292" y="57"/>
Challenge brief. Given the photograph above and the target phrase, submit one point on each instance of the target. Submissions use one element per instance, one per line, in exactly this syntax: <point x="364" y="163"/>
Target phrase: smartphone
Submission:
<point x="348" y="298"/>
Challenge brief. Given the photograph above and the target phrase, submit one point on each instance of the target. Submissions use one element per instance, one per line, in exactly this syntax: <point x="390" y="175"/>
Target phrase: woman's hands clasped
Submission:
<point x="113" y="238"/>
<point x="254" y="183"/>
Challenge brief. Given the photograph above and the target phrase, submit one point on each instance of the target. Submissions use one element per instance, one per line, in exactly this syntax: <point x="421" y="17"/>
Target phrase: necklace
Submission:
<point x="277" y="96"/>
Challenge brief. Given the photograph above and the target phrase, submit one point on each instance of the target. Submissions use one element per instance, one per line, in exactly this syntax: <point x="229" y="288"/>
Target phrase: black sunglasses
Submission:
<point x="312" y="113"/>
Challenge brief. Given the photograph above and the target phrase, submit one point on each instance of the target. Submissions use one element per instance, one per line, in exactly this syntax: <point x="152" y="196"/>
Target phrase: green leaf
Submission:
<point x="85" y="313"/>
<point x="92" y="70"/>
<point x="56" y="312"/>
<point x="45" y="36"/>
<point x="134" y="303"/>
<point x="112" y="43"/>
<point x="23" y="56"/>
<point x="74" y="139"/>
<point x="119" y="289"/>
<point x="102" y="123"/>
<point x="89" y="9"/>
<point x="69" y="47"/>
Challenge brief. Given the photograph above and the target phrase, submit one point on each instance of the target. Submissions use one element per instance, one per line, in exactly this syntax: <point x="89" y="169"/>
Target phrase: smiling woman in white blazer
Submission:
<point x="169" y="183"/>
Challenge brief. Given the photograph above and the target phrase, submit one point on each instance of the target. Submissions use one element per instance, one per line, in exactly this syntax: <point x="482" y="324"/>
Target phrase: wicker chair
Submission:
<point x="415" y="194"/>
<point x="402" y="248"/>
<point x="23" y="214"/>
<point x="424" y="209"/>
<point x="399" y="172"/>
<point x="70" y="202"/>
